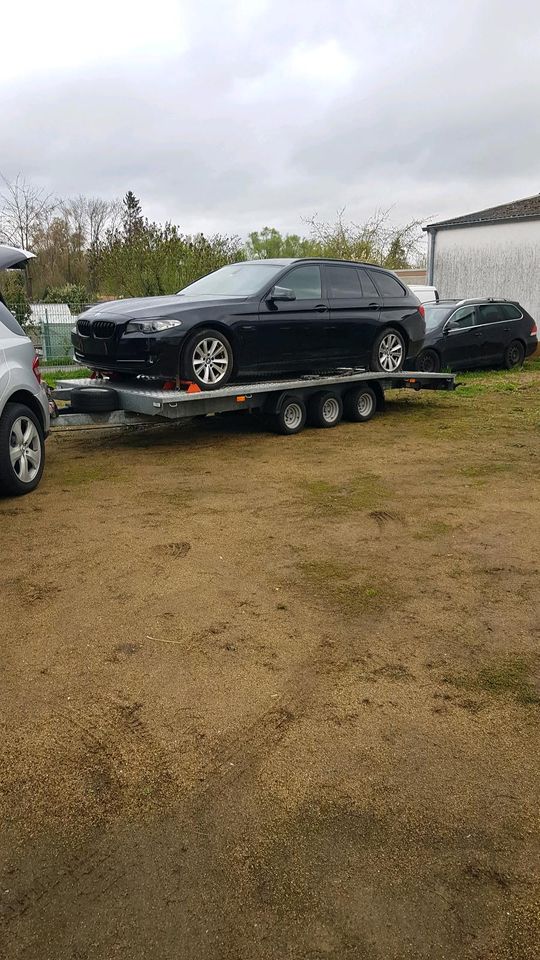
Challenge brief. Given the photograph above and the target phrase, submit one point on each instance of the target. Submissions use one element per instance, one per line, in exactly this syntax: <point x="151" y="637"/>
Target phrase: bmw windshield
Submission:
<point x="235" y="280"/>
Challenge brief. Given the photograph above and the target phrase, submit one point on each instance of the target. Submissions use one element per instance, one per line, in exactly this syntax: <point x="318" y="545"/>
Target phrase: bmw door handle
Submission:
<point x="321" y="308"/>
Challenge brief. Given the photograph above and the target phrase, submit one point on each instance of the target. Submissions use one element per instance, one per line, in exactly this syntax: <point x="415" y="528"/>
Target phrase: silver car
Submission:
<point x="24" y="405"/>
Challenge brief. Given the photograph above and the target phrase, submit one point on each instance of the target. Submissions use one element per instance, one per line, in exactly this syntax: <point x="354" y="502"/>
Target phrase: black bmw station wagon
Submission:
<point x="258" y="317"/>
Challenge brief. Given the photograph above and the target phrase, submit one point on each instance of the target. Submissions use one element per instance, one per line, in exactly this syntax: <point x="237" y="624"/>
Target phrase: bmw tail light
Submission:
<point x="422" y="311"/>
<point x="35" y="369"/>
<point x="534" y="330"/>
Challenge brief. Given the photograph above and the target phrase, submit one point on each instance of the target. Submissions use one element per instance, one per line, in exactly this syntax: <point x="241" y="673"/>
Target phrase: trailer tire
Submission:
<point x="16" y="418"/>
<point x="360" y="404"/>
<point x="325" y="409"/>
<point x="291" y="416"/>
<point x="94" y="400"/>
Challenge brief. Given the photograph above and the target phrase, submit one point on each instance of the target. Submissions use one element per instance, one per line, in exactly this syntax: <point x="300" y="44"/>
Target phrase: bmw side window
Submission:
<point x="464" y="317"/>
<point x="343" y="281"/>
<point x="387" y="284"/>
<point x="304" y="281"/>
<point x="368" y="287"/>
<point x="490" y="313"/>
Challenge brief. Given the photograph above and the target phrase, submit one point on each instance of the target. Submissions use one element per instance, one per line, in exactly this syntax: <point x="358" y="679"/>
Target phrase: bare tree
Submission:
<point x="23" y="210"/>
<point x="102" y="215"/>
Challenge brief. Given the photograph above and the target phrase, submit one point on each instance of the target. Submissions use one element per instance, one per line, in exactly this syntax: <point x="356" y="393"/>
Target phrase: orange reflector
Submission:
<point x="194" y="388"/>
<point x="241" y="399"/>
<point x="412" y="380"/>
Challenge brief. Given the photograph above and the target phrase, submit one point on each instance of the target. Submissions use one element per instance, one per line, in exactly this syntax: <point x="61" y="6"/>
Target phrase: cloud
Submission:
<point x="230" y="116"/>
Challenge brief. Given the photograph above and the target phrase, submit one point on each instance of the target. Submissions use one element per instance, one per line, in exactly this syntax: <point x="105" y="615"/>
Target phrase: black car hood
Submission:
<point x="152" y="308"/>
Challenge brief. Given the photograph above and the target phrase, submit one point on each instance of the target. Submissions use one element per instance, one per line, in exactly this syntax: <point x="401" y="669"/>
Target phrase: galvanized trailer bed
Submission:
<point x="139" y="401"/>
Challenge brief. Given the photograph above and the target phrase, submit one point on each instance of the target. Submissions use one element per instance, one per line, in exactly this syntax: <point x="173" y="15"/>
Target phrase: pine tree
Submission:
<point x="132" y="216"/>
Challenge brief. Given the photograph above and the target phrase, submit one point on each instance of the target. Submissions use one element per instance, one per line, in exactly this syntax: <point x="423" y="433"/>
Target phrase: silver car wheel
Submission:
<point x="390" y="353"/>
<point x="25" y="449"/>
<point x="210" y="360"/>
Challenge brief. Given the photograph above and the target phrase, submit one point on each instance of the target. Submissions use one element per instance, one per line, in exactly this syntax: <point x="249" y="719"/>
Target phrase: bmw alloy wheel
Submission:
<point x="391" y="353"/>
<point x="210" y="360"/>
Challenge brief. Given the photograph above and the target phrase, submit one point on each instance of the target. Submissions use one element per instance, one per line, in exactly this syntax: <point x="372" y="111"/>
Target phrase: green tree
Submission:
<point x="16" y="297"/>
<point x="74" y="294"/>
<point x="268" y="243"/>
<point x="132" y="217"/>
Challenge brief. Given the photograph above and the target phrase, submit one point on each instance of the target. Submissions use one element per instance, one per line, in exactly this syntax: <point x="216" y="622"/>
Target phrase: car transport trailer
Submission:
<point x="287" y="404"/>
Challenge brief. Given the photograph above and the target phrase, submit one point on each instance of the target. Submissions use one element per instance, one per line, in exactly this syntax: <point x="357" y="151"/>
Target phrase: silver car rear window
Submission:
<point x="9" y="321"/>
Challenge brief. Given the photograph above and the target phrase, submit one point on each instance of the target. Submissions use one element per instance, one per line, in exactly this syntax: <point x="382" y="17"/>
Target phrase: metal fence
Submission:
<point x="49" y="325"/>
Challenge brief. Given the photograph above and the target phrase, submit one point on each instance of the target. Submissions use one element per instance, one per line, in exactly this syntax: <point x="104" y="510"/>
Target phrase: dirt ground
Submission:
<point x="277" y="698"/>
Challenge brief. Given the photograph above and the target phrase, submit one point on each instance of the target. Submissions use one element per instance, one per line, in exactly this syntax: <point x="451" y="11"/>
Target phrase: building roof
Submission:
<point x="50" y="313"/>
<point x="526" y="209"/>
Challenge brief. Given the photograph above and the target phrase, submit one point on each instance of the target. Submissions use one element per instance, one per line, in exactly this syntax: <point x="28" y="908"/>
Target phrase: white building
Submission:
<point x="491" y="253"/>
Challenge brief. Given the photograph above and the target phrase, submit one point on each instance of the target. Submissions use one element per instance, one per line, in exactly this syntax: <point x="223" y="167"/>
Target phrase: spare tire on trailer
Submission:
<point x="94" y="399"/>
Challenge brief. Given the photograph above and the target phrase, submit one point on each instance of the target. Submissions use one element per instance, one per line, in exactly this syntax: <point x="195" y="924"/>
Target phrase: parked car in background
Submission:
<point x="259" y="317"/>
<point x="425" y="294"/>
<point x="476" y="333"/>
<point x="24" y="405"/>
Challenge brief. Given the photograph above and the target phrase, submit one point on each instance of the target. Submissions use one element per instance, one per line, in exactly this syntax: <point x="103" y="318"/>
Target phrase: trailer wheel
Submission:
<point x="94" y="399"/>
<point x="22" y="450"/>
<point x="325" y="409"/>
<point x="360" y="404"/>
<point x="291" y="416"/>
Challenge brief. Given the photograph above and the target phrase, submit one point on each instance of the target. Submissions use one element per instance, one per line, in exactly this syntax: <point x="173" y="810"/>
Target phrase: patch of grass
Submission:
<point x="75" y="472"/>
<point x="432" y="530"/>
<point x="503" y="678"/>
<point x="365" y="492"/>
<point x="479" y="471"/>
<point x="337" y="584"/>
<point x="52" y="378"/>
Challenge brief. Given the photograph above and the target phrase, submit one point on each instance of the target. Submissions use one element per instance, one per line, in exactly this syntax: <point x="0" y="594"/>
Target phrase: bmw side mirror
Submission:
<point x="281" y="293"/>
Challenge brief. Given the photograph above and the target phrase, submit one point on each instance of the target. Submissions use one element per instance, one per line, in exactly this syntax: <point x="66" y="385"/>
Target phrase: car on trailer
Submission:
<point x="24" y="405"/>
<point x="259" y="318"/>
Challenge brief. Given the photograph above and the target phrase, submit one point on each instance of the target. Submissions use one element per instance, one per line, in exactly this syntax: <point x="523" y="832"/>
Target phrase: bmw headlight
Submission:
<point x="151" y="326"/>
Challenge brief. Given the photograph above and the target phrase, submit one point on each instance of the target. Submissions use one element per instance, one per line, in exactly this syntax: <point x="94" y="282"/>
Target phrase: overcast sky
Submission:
<point x="228" y="116"/>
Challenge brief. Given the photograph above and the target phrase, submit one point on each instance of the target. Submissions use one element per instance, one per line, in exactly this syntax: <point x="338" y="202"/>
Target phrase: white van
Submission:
<point x="426" y="294"/>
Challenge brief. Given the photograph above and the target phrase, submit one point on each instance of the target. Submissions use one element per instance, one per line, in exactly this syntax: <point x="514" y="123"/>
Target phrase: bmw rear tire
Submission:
<point x="388" y="354"/>
<point x="207" y="359"/>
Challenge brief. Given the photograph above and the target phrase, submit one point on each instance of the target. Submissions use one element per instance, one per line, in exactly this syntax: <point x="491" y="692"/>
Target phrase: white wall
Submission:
<point x="492" y="260"/>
